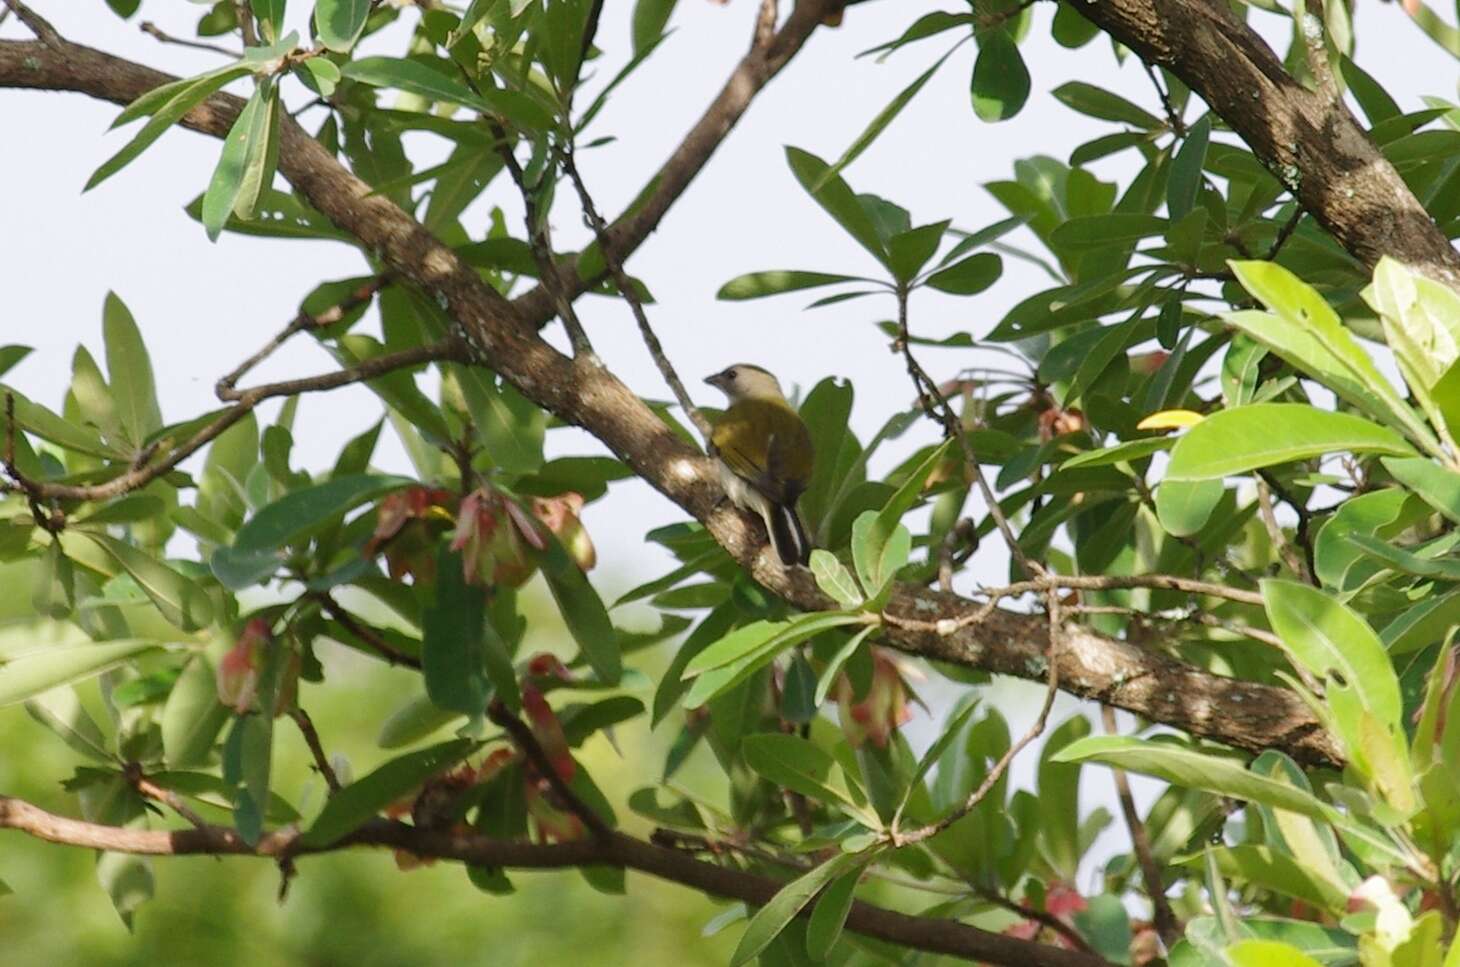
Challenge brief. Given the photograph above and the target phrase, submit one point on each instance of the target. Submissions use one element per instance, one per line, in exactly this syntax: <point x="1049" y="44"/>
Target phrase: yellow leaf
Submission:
<point x="1170" y="420"/>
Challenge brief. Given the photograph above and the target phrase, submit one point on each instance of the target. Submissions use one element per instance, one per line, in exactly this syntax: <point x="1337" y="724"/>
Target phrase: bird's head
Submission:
<point x="745" y="381"/>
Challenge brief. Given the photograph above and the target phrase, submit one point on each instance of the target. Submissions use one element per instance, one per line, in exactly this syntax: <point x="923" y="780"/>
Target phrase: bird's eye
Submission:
<point x="730" y="373"/>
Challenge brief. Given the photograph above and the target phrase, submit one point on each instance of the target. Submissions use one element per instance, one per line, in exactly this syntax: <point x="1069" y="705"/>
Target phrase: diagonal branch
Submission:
<point x="1308" y="139"/>
<point x="1242" y="714"/>
<point x="931" y="934"/>
<point x="763" y="61"/>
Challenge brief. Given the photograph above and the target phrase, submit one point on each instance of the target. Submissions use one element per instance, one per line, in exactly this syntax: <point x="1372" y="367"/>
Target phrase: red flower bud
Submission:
<point x="881" y="711"/>
<point x="407" y="524"/>
<point x="562" y="515"/>
<point x="547" y="730"/>
<point x="490" y="534"/>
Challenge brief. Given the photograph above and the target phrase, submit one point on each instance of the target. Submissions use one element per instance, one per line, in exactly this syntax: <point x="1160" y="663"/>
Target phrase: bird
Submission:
<point x="764" y="455"/>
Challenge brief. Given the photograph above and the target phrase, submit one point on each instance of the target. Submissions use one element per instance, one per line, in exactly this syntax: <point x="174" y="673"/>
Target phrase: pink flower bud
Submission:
<point x="563" y="516"/>
<point x="407" y="525"/>
<point x="881" y="711"/>
<point x="490" y="530"/>
<point x="547" y="730"/>
<point x="553" y="824"/>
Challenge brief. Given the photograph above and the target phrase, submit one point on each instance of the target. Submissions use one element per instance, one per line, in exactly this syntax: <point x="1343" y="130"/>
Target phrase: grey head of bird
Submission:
<point x="746" y="381"/>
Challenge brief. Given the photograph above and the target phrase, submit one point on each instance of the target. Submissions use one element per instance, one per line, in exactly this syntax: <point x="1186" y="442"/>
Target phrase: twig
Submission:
<point x="664" y="187"/>
<point x="1056" y="633"/>
<point x="1178" y="126"/>
<point x="1275" y="533"/>
<point x="1167" y="926"/>
<point x="152" y="30"/>
<point x="539" y="240"/>
<point x="523" y="738"/>
<point x="1043" y="917"/>
<point x="311" y="738"/>
<point x="139" y="476"/>
<point x="38" y="25"/>
<point x="626" y="290"/>
<point x="933" y="934"/>
<point x="937" y="407"/>
<point x="366" y="635"/>
<point x="361" y="295"/>
<point x="1286" y="231"/>
<point x="244" y="13"/>
<point x="765" y="24"/>
<point x="1310" y="25"/>
<point x="151" y="790"/>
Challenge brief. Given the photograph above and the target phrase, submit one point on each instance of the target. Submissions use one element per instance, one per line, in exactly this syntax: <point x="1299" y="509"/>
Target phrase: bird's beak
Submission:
<point x="717" y="380"/>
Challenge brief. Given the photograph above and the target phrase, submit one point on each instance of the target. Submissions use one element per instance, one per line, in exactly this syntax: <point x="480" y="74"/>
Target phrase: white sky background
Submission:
<point x="203" y="308"/>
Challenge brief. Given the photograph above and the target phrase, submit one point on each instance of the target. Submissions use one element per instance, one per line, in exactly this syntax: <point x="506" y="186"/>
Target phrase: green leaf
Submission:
<point x="650" y="19"/>
<point x="130" y="370"/>
<point x="793" y="763"/>
<point x="1098" y="102"/>
<point x="192" y="717"/>
<point x="361" y="800"/>
<point x="833" y="578"/>
<point x="836" y="199"/>
<point x="307" y="510"/>
<point x="1314" y="339"/>
<point x="1127" y="452"/>
<point x="772" y="918"/>
<point x="1275" y="870"/>
<point x="1330" y="640"/>
<point x="1000" y="84"/>
<point x="1267" y="953"/>
<point x="758" y="285"/>
<point x="833" y="668"/>
<point x="248" y="764"/>
<point x="1263" y="434"/>
<point x="1432" y="483"/>
<point x="951" y="732"/>
<point x="227" y="181"/>
<point x="453" y="648"/>
<point x="1059" y="798"/>
<point x="830" y="915"/>
<point x="583" y="612"/>
<point x="735" y="658"/>
<point x="26" y="674"/>
<point x="270" y="15"/>
<point x="180" y="101"/>
<point x="54" y="595"/>
<point x="412" y="722"/>
<point x="1185" y="507"/>
<point x="1185" y="180"/>
<point x="413" y="77"/>
<point x="338" y="23"/>
<point x="886" y="116"/>
<point x="127" y="881"/>
<point x="968" y="276"/>
<point x="61" y="711"/>
<point x="1096" y="232"/>
<point x="182" y="601"/>
<point x="1187" y="767"/>
<point x="909" y="251"/>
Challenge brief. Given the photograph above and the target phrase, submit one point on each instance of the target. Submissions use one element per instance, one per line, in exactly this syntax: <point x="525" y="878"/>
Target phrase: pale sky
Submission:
<point x="203" y="307"/>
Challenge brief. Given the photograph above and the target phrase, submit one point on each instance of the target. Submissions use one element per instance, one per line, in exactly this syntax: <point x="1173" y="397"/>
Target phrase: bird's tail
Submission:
<point x="788" y="534"/>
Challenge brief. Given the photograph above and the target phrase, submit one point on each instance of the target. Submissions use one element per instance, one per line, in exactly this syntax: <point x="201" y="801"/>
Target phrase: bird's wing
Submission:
<point x="767" y="446"/>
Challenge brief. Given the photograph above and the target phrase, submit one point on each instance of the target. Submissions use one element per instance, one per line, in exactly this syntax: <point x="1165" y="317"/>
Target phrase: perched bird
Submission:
<point x="764" y="454"/>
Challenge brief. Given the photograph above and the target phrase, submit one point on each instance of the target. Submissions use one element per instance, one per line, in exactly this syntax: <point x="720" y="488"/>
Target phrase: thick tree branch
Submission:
<point x="1308" y="139"/>
<point x="919" y="933"/>
<point x="1246" y="715"/>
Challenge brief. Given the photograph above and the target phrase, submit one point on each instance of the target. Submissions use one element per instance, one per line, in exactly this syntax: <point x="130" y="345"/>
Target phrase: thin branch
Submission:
<point x="1167" y="926"/>
<point x="311" y="738"/>
<point x="663" y="189"/>
<point x="523" y="738"/>
<point x="365" y="634"/>
<point x="765" y="24"/>
<point x="931" y="934"/>
<point x="152" y="30"/>
<point x="1286" y="231"/>
<point x="626" y="290"/>
<point x="1173" y="117"/>
<point x="359" y="296"/>
<point x="139" y="476"/>
<point x="935" y="404"/>
<point x="1280" y="541"/>
<point x="1056" y="633"/>
<point x="151" y="790"/>
<point x="38" y="25"/>
<point x="1043" y="917"/>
